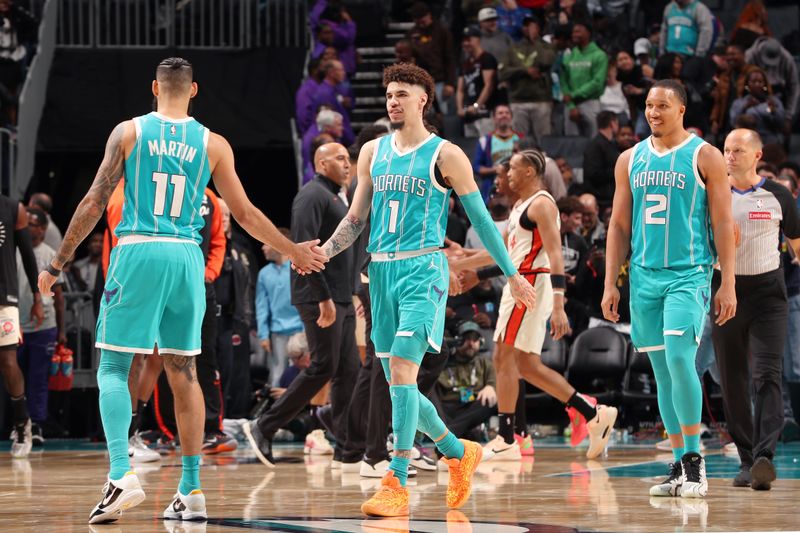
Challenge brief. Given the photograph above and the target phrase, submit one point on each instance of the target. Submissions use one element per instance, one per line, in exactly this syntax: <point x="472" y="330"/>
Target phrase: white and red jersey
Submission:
<point x="524" y="241"/>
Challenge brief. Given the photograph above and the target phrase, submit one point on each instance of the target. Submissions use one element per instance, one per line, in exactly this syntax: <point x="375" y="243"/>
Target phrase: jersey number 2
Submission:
<point x="659" y="207"/>
<point x="178" y="182"/>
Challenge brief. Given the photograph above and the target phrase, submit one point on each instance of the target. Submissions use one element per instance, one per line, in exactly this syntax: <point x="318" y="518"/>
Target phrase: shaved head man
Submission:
<point x="750" y="347"/>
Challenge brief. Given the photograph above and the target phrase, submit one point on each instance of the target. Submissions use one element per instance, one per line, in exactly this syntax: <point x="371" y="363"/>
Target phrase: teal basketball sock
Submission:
<point x="658" y="359"/>
<point x="432" y="425"/>
<point x="691" y="443"/>
<point x="405" y="414"/>
<point x="190" y="475"/>
<point x="115" y="408"/>
<point x="687" y="395"/>
<point x="677" y="453"/>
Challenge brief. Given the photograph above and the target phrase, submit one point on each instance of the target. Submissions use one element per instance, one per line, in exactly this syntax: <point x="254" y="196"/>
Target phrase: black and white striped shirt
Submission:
<point x="762" y="212"/>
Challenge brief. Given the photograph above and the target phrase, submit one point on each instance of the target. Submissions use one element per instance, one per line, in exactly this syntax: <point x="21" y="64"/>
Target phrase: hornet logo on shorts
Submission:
<point x="439" y="292"/>
<point x="110" y="294"/>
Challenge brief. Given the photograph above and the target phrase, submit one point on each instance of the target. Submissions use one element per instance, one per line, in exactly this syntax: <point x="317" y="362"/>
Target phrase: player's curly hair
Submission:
<point x="412" y="75"/>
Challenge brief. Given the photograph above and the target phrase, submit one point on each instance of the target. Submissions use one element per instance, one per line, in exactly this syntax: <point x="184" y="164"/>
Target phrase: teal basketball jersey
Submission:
<point x="670" y="219"/>
<point x="165" y="177"/>
<point x="409" y="205"/>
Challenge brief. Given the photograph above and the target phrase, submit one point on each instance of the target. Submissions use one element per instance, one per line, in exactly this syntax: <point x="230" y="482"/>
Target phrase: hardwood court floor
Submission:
<point x="558" y="490"/>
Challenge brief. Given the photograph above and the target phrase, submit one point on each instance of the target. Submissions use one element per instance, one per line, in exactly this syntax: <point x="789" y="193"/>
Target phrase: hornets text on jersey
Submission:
<point x="670" y="217"/>
<point x="409" y="205"/>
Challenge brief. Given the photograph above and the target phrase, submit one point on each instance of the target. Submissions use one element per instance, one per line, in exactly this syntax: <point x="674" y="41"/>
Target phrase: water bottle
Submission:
<point x="55" y="364"/>
<point x="66" y="365"/>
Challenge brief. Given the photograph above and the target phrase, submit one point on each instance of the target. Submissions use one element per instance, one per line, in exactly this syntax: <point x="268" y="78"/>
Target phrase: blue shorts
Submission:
<point x="667" y="301"/>
<point x="154" y="295"/>
<point x="409" y="297"/>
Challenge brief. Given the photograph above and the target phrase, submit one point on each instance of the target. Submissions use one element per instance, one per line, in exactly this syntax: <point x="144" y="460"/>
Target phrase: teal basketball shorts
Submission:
<point x="154" y="295"/>
<point x="408" y="298"/>
<point x="667" y="301"/>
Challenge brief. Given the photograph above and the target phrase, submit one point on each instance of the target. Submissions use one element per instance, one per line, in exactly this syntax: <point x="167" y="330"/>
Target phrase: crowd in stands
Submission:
<point x="517" y="74"/>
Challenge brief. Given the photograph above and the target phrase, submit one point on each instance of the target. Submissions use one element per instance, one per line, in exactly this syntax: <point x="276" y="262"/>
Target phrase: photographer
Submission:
<point x="466" y="386"/>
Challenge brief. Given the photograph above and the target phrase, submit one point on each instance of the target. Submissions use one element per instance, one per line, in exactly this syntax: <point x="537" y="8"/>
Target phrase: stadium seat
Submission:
<point x="597" y="364"/>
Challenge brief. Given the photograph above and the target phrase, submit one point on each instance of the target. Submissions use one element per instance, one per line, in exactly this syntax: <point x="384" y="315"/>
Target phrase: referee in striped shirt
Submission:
<point x="755" y="337"/>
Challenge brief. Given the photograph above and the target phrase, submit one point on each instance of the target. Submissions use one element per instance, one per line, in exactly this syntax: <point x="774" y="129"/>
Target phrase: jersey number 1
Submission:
<point x="178" y="187"/>
<point x="394" y="209"/>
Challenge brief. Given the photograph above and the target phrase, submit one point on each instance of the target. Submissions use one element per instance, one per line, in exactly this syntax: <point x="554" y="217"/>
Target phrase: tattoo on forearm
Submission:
<point x="182" y="364"/>
<point x="91" y="207"/>
<point x="346" y="233"/>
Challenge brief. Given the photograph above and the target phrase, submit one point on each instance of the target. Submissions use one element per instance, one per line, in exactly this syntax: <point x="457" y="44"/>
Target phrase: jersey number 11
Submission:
<point x="178" y="182"/>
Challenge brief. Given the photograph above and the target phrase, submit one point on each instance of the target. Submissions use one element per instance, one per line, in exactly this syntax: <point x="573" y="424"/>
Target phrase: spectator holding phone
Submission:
<point x="759" y="103"/>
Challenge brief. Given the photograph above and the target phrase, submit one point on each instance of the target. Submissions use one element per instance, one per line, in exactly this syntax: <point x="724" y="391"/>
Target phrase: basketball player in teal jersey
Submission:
<point x="405" y="179"/>
<point x="671" y="192"/>
<point x="154" y="292"/>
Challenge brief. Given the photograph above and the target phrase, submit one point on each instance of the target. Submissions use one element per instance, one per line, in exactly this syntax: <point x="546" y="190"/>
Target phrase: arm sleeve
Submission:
<point x="262" y="306"/>
<point x="487" y="231"/>
<point x="705" y="21"/>
<point x="216" y="247"/>
<point x="307" y="214"/>
<point x="22" y="238"/>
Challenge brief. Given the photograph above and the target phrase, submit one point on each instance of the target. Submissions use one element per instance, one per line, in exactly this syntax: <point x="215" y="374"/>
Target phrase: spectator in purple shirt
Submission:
<point x="336" y="93"/>
<point x="333" y="26"/>
<point x="304" y="99"/>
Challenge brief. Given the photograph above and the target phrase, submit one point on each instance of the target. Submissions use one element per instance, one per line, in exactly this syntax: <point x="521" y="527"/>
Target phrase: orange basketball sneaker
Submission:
<point x="525" y="444"/>
<point x="461" y="470"/>
<point x="390" y="500"/>
<point x="579" y="428"/>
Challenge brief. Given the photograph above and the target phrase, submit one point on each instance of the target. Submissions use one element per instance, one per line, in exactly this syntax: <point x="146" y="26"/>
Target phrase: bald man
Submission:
<point x="750" y="345"/>
<point x="52" y="236"/>
<point x="325" y="304"/>
<point x="592" y="229"/>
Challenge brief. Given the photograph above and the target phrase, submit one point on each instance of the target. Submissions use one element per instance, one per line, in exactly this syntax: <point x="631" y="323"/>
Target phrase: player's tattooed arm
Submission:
<point x="354" y="222"/>
<point x="346" y="234"/>
<point x="91" y="208"/>
<point x="181" y="364"/>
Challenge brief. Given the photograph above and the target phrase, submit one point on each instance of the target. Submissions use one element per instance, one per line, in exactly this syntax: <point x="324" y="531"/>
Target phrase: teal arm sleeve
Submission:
<point x="487" y="231"/>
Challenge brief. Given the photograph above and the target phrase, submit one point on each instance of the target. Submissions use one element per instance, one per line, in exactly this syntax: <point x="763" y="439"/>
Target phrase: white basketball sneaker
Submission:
<point x="190" y="506"/>
<point x="500" y="450"/>
<point x="600" y="428"/>
<point x="118" y="495"/>
<point x="317" y="444"/>
<point x="22" y="441"/>
<point x="671" y="486"/>
<point x="139" y="452"/>
<point x="694" y="483"/>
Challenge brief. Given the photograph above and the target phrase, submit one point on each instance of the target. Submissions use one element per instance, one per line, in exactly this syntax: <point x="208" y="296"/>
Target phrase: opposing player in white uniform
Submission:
<point x="534" y="243"/>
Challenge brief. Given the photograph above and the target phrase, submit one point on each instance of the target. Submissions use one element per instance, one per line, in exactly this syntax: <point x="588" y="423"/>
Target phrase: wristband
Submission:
<point x="558" y="281"/>
<point x="53" y="271"/>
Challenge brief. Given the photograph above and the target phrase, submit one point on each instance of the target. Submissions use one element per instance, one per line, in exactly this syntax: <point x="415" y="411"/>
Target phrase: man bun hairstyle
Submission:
<point x="175" y="73"/>
<point x="411" y="75"/>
